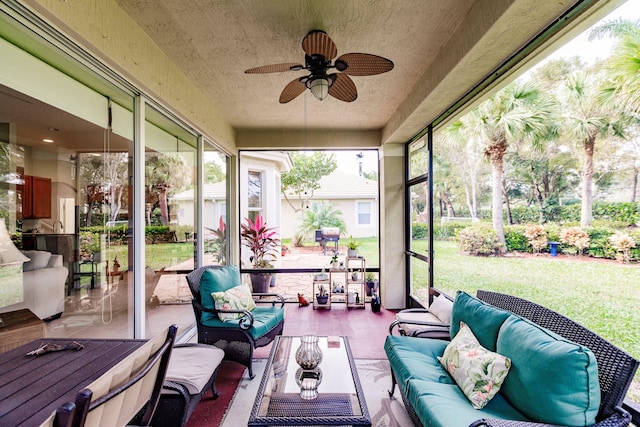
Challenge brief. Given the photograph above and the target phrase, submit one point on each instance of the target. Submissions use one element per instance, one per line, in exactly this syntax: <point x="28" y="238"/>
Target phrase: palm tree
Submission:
<point x="320" y="215"/>
<point x="517" y="113"/>
<point x="586" y="120"/>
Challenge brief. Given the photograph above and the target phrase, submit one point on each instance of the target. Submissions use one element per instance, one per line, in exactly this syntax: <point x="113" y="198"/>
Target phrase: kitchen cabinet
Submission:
<point x="36" y="197"/>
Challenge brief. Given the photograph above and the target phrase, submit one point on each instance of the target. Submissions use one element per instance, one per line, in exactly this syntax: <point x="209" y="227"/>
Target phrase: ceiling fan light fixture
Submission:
<point x="319" y="87"/>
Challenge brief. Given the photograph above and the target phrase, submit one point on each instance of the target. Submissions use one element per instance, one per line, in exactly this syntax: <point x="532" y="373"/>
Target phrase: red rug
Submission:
<point x="210" y="412"/>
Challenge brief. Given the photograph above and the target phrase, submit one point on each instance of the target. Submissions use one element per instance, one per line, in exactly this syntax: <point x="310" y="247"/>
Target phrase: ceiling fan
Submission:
<point x="319" y="51"/>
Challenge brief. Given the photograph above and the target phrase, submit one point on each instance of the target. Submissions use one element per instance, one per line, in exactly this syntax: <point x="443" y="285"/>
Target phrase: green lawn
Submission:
<point x="602" y="297"/>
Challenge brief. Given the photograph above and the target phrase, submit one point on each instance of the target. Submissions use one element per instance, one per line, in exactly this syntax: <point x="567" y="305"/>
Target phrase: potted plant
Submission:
<point x="352" y="247"/>
<point x="334" y="260"/>
<point x="262" y="242"/>
<point x="219" y="243"/>
<point x="322" y="296"/>
<point x="370" y="282"/>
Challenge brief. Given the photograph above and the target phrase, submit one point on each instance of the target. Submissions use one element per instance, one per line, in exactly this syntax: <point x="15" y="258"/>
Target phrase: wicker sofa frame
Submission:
<point x="237" y="343"/>
<point x="616" y="368"/>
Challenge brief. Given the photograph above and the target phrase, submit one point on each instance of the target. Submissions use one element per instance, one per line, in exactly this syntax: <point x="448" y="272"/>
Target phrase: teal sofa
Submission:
<point x="561" y="373"/>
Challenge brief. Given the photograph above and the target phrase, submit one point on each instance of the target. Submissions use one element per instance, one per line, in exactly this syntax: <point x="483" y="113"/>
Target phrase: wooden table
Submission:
<point x="32" y="387"/>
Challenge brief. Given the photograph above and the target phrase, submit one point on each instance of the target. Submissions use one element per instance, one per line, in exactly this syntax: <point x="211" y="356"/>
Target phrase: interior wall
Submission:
<point x="392" y="226"/>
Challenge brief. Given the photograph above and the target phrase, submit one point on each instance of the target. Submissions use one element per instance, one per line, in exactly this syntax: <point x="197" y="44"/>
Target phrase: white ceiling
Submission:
<point x="441" y="48"/>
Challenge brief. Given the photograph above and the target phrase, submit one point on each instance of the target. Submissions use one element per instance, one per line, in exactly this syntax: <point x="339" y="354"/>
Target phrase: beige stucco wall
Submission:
<point x="392" y="220"/>
<point x="104" y="29"/>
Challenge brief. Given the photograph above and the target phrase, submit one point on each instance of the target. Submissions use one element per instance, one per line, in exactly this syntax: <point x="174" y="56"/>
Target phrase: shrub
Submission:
<point x="514" y="236"/>
<point x="575" y="236"/>
<point x="622" y="243"/>
<point x="419" y="231"/>
<point x="478" y="240"/>
<point x="536" y="235"/>
<point x="448" y="230"/>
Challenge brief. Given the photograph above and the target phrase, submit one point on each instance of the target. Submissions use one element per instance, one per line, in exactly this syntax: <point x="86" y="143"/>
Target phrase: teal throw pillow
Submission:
<point x="483" y="319"/>
<point x="236" y="298"/>
<point x="552" y="380"/>
<point x="216" y="280"/>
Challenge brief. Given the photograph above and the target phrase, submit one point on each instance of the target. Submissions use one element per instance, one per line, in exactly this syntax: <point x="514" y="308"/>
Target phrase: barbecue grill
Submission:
<point x="328" y="234"/>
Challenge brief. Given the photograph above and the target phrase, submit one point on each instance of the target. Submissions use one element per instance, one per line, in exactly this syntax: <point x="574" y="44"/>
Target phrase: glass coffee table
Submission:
<point x="336" y="397"/>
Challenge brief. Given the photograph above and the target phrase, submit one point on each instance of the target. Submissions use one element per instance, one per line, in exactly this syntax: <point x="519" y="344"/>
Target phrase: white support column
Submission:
<point x="139" y="261"/>
<point x="199" y="201"/>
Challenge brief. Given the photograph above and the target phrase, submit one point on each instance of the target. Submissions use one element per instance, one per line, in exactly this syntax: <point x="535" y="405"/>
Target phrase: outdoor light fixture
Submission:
<point x="319" y="87"/>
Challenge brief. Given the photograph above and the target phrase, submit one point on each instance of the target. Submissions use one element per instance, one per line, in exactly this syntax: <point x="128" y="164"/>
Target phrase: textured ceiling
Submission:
<point x="441" y="49"/>
<point x="215" y="41"/>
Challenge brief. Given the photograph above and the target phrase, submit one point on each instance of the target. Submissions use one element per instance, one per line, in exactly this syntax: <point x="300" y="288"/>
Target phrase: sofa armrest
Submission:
<point x="621" y="418"/>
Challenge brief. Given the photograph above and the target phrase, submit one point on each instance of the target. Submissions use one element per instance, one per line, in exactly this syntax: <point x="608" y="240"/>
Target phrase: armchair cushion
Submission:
<point x="478" y="372"/>
<point x="539" y="379"/>
<point x="216" y="280"/>
<point x="264" y="319"/>
<point x="236" y="298"/>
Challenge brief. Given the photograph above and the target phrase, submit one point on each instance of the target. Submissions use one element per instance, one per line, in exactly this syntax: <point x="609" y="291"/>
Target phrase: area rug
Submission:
<point x="375" y="377"/>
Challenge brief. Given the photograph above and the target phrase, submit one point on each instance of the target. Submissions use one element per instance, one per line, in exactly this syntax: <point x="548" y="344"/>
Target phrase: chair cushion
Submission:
<point x="549" y="372"/>
<point x="236" y="298"/>
<point x="216" y="280"/>
<point x="441" y="307"/>
<point x="409" y="316"/>
<point x="264" y="319"/>
<point x="193" y="365"/>
<point x="483" y="319"/>
<point x="478" y="372"/>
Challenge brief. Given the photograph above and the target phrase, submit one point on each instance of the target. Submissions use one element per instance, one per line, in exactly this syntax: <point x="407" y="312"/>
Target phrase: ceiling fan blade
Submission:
<point x="291" y="90"/>
<point x="319" y="43"/>
<point x="364" y="64"/>
<point x="343" y="88"/>
<point x="275" y="68"/>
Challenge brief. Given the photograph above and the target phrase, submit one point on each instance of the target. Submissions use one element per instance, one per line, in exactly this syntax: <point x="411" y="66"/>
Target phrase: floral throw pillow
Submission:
<point x="478" y="372"/>
<point x="236" y="298"/>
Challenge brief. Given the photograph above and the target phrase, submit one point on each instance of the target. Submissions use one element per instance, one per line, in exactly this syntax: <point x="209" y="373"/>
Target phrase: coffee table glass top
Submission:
<point x="339" y="399"/>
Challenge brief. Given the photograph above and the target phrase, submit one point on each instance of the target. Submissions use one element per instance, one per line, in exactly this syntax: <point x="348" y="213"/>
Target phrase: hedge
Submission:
<point x="627" y="213"/>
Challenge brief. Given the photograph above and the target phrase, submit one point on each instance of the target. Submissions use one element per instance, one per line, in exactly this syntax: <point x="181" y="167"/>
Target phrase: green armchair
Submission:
<point x="253" y="327"/>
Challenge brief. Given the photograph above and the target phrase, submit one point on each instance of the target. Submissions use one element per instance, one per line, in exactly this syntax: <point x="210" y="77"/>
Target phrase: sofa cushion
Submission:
<point x="478" y="371"/>
<point x="216" y="280"/>
<point x="444" y="405"/>
<point x="552" y="380"/>
<point x="412" y="358"/>
<point x="264" y="319"/>
<point x="483" y="319"/>
<point x="237" y="298"/>
<point x="37" y="260"/>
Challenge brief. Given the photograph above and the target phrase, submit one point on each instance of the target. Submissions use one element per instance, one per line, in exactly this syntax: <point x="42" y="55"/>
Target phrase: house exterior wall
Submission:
<point x="291" y="221"/>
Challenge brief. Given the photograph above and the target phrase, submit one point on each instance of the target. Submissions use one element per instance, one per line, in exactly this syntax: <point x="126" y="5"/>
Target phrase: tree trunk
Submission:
<point x="496" y="154"/>
<point x="538" y="194"/>
<point x="507" y="204"/>
<point x="447" y="202"/>
<point x="634" y="184"/>
<point x="164" y="208"/>
<point x="587" y="182"/>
